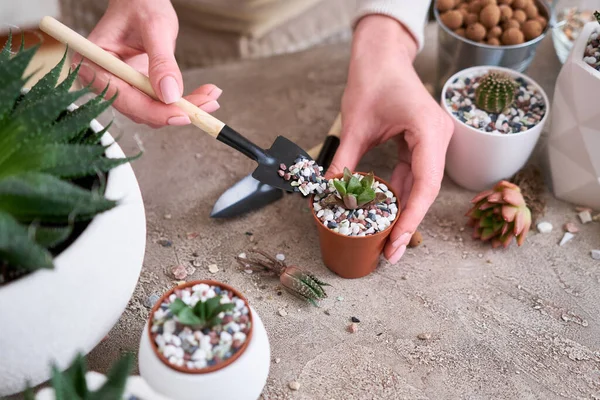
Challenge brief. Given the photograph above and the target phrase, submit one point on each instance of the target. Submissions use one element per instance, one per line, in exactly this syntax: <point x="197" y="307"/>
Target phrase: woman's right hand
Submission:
<point x="142" y="33"/>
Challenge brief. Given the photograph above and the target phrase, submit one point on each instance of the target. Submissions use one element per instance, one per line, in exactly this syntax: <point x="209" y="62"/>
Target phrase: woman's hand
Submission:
<point x="385" y="99"/>
<point x="142" y="33"/>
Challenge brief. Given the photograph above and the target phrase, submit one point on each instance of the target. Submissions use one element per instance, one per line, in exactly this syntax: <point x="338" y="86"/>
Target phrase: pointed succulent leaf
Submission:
<point x="367" y="181"/>
<point x="347" y="175"/>
<point x="509" y="213"/>
<point x="66" y="84"/>
<point x="187" y="317"/>
<point x="63" y="388"/>
<point x="45" y="85"/>
<point x="14" y="68"/>
<point x="116" y="380"/>
<point x="211" y="306"/>
<point x="487" y="234"/>
<point x="9" y="94"/>
<point x="40" y="197"/>
<point x="176" y="306"/>
<point x="350" y="202"/>
<point x="513" y="197"/>
<point x="320" y="282"/>
<point x="18" y="249"/>
<point x="200" y="310"/>
<point x="307" y="280"/>
<point x="223" y="308"/>
<point x="366" y="196"/>
<point x="354" y="186"/>
<point x="93" y="137"/>
<point x="28" y="394"/>
<point x="481" y="196"/>
<point x="6" y="49"/>
<point x="52" y="236"/>
<point x="75" y="374"/>
<point x="340" y="187"/>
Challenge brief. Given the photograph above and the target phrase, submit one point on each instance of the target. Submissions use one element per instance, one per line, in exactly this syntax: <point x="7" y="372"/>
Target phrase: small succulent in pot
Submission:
<point x="353" y="193"/>
<point x="300" y="283"/>
<point x="499" y="215"/>
<point x="204" y="314"/>
<point x="496" y="92"/>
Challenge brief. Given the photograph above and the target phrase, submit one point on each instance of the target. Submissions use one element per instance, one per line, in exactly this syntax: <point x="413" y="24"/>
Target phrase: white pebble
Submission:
<point x="199" y="355"/>
<point x="213" y="268"/>
<point x="585" y="217"/>
<point x="280" y="257"/>
<point x="168" y="337"/>
<point x="320" y="213"/>
<point x="344" y="230"/>
<point x="160" y="341"/>
<point x="242" y="255"/>
<point x="590" y="60"/>
<point x="596" y="254"/>
<point x="200" y="364"/>
<point x="566" y="238"/>
<point x="226" y="337"/>
<point x="544" y="227"/>
<point x="383" y="187"/>
<point x="241" y="336"/>
<point x="176" y="341"/>
<point x="169" y="326"/>
<point x="169" y="350"/>
<point x="317" y="207"/>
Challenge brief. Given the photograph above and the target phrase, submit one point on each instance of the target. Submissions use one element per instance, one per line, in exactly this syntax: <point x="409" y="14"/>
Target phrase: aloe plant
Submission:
<point x="203" y="314"/>
<point x="48" y="158"/>
<point x="71" y="384"/>
<point x="353" y="193"/>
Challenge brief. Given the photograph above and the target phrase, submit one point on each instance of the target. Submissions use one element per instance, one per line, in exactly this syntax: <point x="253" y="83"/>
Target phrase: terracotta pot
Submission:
<point x="249" y="367"/>
<point x="211" y="368"/>
<point x="352" y="256"/>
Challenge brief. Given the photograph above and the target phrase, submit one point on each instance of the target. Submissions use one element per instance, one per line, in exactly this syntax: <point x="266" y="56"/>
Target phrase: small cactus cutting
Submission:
<point x="496" y="92"/>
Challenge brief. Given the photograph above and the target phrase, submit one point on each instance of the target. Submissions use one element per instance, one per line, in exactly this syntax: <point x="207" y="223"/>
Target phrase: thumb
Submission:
<point x="163" y="71"/>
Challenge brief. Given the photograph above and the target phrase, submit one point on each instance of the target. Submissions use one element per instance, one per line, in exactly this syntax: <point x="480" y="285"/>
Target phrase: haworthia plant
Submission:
<point x="45" y="153"/>
<point x="202" y="314"/>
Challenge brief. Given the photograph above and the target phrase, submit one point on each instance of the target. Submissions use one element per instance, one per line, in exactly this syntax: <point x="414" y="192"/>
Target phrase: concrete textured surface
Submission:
<point x="453" y="319"/>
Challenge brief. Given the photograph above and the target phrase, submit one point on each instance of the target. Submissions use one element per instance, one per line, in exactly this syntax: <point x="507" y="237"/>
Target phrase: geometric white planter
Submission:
<point x="50" y="315"/>
<point x="477" y="160"/>
<point x="574" y="140"/>
<point x="244" y="379"/>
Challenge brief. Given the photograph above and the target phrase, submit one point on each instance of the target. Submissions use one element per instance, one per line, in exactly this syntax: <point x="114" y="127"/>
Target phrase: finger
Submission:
<point x="135" y="104"/>
<point x="351" y="149"/>
<point x="427" y="169"/>
<point x="158" y="40"/>
<point x="211" y="91"/>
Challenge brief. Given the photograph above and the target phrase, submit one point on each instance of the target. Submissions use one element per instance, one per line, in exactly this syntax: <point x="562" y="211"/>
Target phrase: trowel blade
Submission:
<point x="246" y="195"/>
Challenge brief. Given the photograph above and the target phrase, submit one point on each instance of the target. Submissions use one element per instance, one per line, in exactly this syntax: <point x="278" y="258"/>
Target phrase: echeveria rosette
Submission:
<point x="353" y="193"/>
<point x="499" y="215"/>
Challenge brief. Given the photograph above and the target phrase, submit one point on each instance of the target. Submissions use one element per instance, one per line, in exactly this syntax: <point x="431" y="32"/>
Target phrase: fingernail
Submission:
<point x="397" y="255"/>
<point x="179" y="120"/>
<point x="216" y="93"/>
<point x="211" y="106"/>
<point x="170" y="90"/>
<point x="402" y="240"/>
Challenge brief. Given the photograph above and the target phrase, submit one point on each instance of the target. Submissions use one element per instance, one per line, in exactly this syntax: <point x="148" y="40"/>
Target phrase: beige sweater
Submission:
<point x="411" y="13"/>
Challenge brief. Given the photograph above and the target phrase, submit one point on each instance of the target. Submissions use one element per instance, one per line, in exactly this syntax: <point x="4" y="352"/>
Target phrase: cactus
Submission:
<point x="50" y="160"/>
<point x="499" y="215"/>
<point x="496" y="92"/>
<point x="203" y="314"/>
<point x="353" y="193"/>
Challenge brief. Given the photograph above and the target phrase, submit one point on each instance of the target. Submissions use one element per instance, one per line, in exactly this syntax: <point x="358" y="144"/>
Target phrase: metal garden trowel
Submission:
<point x="283" y="151"/>
<point x="250" y="194"/>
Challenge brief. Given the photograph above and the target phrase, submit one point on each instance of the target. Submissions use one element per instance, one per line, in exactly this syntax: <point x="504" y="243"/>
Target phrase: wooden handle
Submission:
<point x="335" y="130"/>
<point x="99" y="56"/>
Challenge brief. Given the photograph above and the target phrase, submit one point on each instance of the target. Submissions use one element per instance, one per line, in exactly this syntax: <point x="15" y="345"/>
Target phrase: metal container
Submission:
<point x="456" y="53"/>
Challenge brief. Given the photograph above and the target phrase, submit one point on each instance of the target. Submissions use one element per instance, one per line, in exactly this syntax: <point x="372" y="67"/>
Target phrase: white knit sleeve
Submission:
<point x="410" y="13"/>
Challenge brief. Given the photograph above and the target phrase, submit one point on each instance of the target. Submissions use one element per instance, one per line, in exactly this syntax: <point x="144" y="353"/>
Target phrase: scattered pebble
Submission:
<point x="168" y="216"/>
<point x="242" y="255"/>
<point x="192" y="235"/>
<point x="151" y="300"/>
<point x="424" y="336"/>
<point x="179" y="272"/>
<point x="282" y="312"/>
<point x="544" y="227"/>
<point x="196" y="263"/>
<point x="280" y="257"/>
<point x="248" y="271"/>
<point x="294" y="385"/>
<point x="340" y="298"/>
<point x="566" y="238"/>
<point x="352" y="328"/>
<point x="596" y="217"/>
<point x="277" y="360"/>
<point x="416" y="239"/>
<point x="327" y="312"/>
<point x="213" y="268"/>
<point x="596" y="254"/>
<point x="198" y="155"/>
<point x="354" y="319"/>
<point x="165" y="243"/>
<point x="525" y="113"/>
<point x="585" y="216"/>
<point x="571" y="227"/>
<point x="196" y="348"/>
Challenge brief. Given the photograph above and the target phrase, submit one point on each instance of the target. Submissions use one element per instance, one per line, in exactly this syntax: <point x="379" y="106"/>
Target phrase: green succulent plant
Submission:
<point x="496" y="92"/>
<point x="597" y="16"/>
<point x="353" y="192"/>
<point x="300" y="283"/>
<point x="204" y="314"/>
<point x="72" y="385"/>
<point x="51" y="162"/>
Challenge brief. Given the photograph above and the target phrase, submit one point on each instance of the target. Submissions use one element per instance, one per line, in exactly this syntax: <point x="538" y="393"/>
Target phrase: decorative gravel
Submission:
<point x="194" y="348"/>
<point x="592" y="52"/>
<point x="305" y="176"/>
<point x="525" y="113"/>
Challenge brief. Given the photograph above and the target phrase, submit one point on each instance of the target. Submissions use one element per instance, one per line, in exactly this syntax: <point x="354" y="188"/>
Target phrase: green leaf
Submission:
<point x="224" y="308"/>
<point x="66" y="84"/>
<point x="187" y="317"/>
<point x="347" y="175"/>
<point x="314" y="278"/>
<point x="211" y="305"/>
<point x="28" y="393"/>
<point x="75" y="374"/>
<point x="367" y="181"/>
<point x="340" y="187"/>
<point x="18" y="249"/>
<point x="63" y="390"/>
<point x="177" y="305"/>
<point x="6" y="50"/>
<point x="354" y="186"/>
<point x="200" y="310"/>
<point x="91" y="137"/>
<point x="116" y="380"/>
<point x="44" y="86"/>
<point x="41" y="197"/>
<point x="366" y="196"/>
<point x="50" y="237"/>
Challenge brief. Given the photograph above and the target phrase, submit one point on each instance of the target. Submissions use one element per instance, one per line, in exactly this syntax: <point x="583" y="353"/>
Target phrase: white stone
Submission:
<point x="213" y="268"/>
<point x="241" y="336"/>
<point x="344" y="230"/>
<point x="566" y="238"/>
<point x="242" y="255"/>
<point x="168" y="337"/>
<point x="280" y="257"/>
<point x="179" y="352"/>
<point x="169" y="350"/>
<point x="169" y="326"/>
<point x="160" y="341"/>
<point x="585" y="217"/>
<point x="226" y="337"/>
<point x="595" y="254"/>
<point x="320" y="213"/>
<point x="282" y="312"/>
<point x="544" y="227"/>
<point x="176" y="340"/>
<point x="200" y="364"/>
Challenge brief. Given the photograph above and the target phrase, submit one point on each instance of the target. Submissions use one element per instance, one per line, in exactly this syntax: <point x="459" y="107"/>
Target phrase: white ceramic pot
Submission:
<point x="244" y="379"/>
<point x="50" y="315"/>
<point x="574" y="139"/>
<point x="476" y="160"/>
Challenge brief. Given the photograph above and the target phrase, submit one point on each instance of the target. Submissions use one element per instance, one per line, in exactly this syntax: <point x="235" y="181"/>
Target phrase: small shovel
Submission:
<point x="283" y="151"/>
<point x="249" y="194"/>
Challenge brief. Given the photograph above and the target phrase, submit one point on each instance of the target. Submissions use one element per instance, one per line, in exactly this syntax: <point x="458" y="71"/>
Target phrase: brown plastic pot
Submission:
<point x="211" y="368"/>
<point x="352" y="256"/>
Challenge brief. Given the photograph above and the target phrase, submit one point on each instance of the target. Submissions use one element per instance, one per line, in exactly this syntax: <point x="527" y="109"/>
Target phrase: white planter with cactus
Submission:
<point x="574" y="140"/>
<point x="496" y="127"/>
<point x="72" y="241"/>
